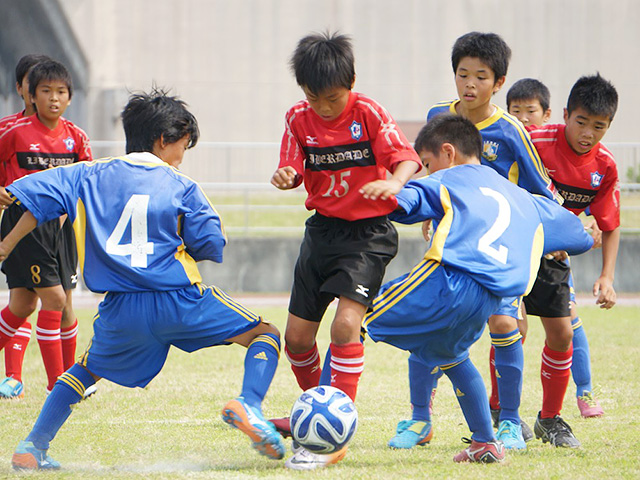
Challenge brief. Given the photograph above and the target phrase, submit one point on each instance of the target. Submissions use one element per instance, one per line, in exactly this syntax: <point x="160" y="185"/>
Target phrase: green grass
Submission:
<point x="172" y="429"/>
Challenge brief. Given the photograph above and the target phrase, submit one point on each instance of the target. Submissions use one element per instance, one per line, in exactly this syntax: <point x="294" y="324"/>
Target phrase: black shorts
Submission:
<point x="68" y="255"/>
<point x="551" y="293"/>
<point x="36" y="261"/>
<point x="340" y="258"/>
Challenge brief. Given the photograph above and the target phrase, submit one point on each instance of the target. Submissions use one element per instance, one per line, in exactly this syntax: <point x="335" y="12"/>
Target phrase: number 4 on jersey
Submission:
<point x="134" y="212"/>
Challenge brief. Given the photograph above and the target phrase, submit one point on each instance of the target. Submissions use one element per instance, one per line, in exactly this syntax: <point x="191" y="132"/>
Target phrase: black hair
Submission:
<point x="490" y="48"/>
<point x="147" y="117"/>
<point x="25" y="64"/>
<point x="454" y="129"/>
<point x="49" y="70"/>
<point x="529" y="88"/>
<point x="595" y="95"/>
<point x="324" y="60"/>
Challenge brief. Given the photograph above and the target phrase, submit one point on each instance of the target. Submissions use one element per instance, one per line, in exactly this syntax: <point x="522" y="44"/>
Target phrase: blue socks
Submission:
<point x="260" y="363"/>
<point x="581" y="366"/>
<point x="509" y="366"/>
<point x="325" y="377"/>
<point x="68" y="390"/>
<point x="421" y="382"/>
<point x="472" y="397"/>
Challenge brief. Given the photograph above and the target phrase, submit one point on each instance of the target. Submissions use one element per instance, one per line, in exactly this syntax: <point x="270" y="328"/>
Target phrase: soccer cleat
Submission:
<point x="410" y="433"/>
<point x="303" y="459"/>
<point x="282" y="425"/>
<point x="28" y="457"/>
<point x="527" y="433"/>
<point x="483" y="452"/>
<point x="11" y="388"/>
<point x="555" y="431"/>
<point x="266" y="440"/>
<point x="589" y="406"/>
<point x="510" y="434"/>
<point x="89" y="391"/>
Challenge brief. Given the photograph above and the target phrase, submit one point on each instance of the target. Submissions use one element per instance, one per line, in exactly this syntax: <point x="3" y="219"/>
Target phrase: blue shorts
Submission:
<point x="435" y="312"/>
<point x="132" y="332"/>
<point x="510" y="306"/>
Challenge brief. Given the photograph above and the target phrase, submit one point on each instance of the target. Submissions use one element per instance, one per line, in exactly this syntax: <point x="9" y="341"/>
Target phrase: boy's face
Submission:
<point x="436" y="161"/>
<point x="476" y="83"/>
<point x="529" y="111"/>
<point x="172" y="153"/>
<point x="330" y="103"/>
<point x="583" y="130"/>
<point x="51" y="100"/>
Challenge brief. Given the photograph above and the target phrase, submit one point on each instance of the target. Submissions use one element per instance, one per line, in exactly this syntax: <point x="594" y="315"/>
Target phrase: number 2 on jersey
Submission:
<point x="497" y="229"/>
<point x="135" y="213"/>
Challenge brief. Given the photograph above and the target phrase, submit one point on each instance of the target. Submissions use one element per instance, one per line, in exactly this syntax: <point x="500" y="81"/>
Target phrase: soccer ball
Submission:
<point x="323" y="419"/>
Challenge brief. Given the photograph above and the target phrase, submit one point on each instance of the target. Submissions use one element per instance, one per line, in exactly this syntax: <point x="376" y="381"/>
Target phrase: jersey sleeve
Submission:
<point x="418" y="201"/>
<point x="84" y="148"/>
<point x="50" y="193"/>
<point x="605" y="207"/>
<point x="563" y="230"/>
<point x="291" y="153"/>
<point x="201" y="228"/>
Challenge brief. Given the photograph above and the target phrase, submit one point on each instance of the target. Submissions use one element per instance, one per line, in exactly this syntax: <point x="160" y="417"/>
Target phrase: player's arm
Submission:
<point x="418" y="201"/>
<point x="289" y="173"/>
<point x="383" y="189"/>
<point x="603" y="286"/>
<point x="26" y="223"/>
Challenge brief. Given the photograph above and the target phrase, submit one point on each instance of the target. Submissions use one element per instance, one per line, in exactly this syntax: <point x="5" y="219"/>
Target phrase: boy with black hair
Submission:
<point x="585" y="173"/>
<point x="341" y="144"/>
<point x="480" y="62"/>
<point x="528" y="100"/>
<point x="482" y="250"/>
<point x="154" y="296"/>
<point x="45" y="266"/>
<point x="12" y="386"/>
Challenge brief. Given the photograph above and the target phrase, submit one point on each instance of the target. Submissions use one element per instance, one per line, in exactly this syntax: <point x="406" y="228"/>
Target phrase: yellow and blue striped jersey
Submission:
<point x="140" y="224"/>
<point x="488" y="227"/>
<point x="508" y="149"/>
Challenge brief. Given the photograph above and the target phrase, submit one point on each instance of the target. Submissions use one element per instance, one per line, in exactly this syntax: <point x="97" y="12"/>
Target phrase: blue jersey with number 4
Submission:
<point x="488" y="227"/>
<point x="140" y="224"/>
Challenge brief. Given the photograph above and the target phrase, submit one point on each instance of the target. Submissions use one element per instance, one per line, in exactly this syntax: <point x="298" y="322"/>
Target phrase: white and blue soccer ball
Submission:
<point x="323" y="419"/>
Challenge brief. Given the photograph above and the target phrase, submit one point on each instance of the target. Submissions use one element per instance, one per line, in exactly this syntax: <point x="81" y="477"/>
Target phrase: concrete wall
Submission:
<point x="266" y="265"/>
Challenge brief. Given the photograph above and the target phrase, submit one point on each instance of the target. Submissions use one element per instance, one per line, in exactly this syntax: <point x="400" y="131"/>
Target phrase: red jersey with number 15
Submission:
<point x="336" y="158"/>
<point x="28" y="146"/>
<point x="588" y="180"/>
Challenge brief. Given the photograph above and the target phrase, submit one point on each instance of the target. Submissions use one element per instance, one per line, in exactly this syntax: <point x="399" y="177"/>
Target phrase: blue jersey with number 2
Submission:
<point x="489" y="228"/>
<point x="140" y="224"/>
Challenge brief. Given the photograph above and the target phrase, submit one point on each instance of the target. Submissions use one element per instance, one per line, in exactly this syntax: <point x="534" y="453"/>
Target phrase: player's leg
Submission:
<point x="68" y="331"/>
<point x="581" y="369"/>
<point x="509" y="364"/>
<point x="22" y="303"/>
<point x="53" y="300"/>
<point x="31" y="453"/>
<point x="68" y="264"/>
<point x="302" y="351"/>
<point x="472" y="397"/>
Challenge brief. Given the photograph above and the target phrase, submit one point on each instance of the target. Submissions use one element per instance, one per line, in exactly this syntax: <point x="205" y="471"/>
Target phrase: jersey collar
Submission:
<point x="146" y="157"/>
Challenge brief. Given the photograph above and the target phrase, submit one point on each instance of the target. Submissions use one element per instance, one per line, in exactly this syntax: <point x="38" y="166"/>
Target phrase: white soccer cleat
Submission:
<point x="303" y="459"/>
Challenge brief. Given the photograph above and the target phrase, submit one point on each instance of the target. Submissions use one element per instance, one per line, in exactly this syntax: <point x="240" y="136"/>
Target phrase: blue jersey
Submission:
<point x="140" y="224"/>
<point x="489" y="228"/>
<point x="507" y="148"/>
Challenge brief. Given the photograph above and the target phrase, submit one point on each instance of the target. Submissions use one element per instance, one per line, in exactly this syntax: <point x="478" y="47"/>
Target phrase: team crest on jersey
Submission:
<point x="596" y="179"/>
<point x="356" y="130"/>
<point x="490" y="150"/>
<point x="69" y="143"/>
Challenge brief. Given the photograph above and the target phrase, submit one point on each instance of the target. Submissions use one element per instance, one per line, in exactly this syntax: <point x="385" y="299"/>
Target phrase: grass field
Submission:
<point x="172" y="429"/>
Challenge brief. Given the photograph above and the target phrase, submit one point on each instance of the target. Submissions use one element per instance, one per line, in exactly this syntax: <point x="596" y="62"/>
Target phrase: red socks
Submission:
<point x="9" y="324"/>
<point x="347" y="364"/>
<point x="306" y="367"/>
<point x="48" y="335"/>
<point x="69" y="337"/>
<point x="14" y="351"/>
<point x="555" y="372"/>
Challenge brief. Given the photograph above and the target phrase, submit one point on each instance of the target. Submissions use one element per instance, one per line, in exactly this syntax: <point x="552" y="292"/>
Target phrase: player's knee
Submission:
<point x="272" y="329"/>
<point x="560" y="341"/>
<point x="299" y="342"/>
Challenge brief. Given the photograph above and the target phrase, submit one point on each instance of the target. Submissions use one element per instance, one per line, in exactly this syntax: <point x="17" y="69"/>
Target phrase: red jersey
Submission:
<point x="28" y="146"/>
<point x="336" y="158"/>
<point x="588" y="180"/>
<point x="4" y="124"/>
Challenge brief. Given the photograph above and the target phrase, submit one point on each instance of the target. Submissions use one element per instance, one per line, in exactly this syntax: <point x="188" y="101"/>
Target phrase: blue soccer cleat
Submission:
<point x="28" y="457"/>
<point x="410" y="433"/>
<point x="510" y="434"/>
<point x="266" y="440"/>
<point x="11" y="388"/>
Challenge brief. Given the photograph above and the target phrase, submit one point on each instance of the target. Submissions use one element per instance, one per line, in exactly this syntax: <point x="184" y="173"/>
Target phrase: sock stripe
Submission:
<point x="557" y="364"/>
<point x="343" y="368"/>
<point x="23" y="332"/>
<point x="577" y="324"/>
<point x="67" y="334"/>
<point x="353" y="361"/>
<point x="269" y="340"/>
<point x="303" y="363"/>
<point x="7" y="329"/>
<point x="506" y="341"/>
<point x="47" y="335"/>
<point x="73" y="382"/>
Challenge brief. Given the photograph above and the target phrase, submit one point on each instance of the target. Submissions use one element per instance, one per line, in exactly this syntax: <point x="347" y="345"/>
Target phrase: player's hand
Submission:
<point x="5" y="199"/>
<point x="596" y="233"/>
<point x="603" y="289"/>
<point x="560" y="255"/>
<point x="284" y="178"/>
<point x="382" y="189"/>
<point x="426" y="230"/>
<point x="4" y="252"/>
